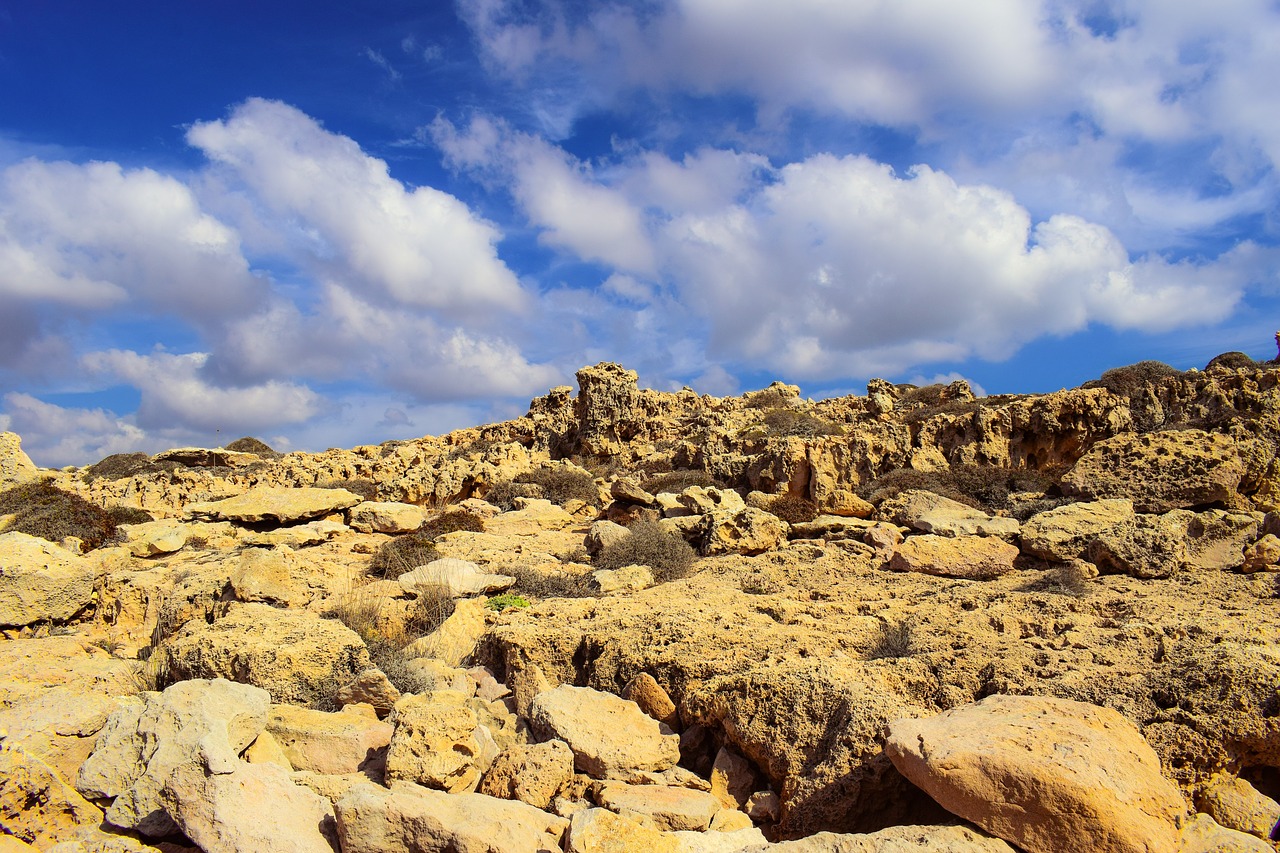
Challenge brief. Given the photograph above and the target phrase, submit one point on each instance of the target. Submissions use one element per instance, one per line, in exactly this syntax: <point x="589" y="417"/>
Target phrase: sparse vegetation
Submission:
<point x="677" y="481"/>
<point x="1134" y="382"/>
<point x="768" y="398"/>
<point x="450" y="521"/>
<point x="793" y="509"/>
<point x="550" y="584"/>
<point x="894" y="640"/>
<point x="129" y="515"/>
<point x="1070" y="578"/>
<point x="1231" y="361"/>
<point x="503" y="494"/>
<point x="561" y="485"/>
<point x="365" y="488"/>
<point x="249" y="444"/>
<point x="505" y="600"/>
<point x="118" y="466"/>
<point x="385" y="638"/>
<point x="792" y="422"/>
<point x="648" y="543"/>
<point x="402" y="554"/>
<point x="42" y="509"/>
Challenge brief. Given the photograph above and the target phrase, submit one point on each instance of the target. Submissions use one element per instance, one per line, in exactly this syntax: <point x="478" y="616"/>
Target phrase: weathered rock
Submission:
<point x="530" y="773"/>
<point x="895" y="839"/>
<point x="1216" y="540"/>
<point x="602" y="831"/>
<point x="36" y="804"/>
<point x="844" y="503"/>
<point x="1203" y="835"/>
<point x="606" y="733"/>
<point x="41" y="581"/>
<point x="409" y="817"/>
<point x="930" y="513"/>
<point x="247" y="807"/>
<point x="210" y="722"/>
<point x="295" y="535"/>
<point x="372" y="688"/>
<point x="385" y="517"/>
<point x="1235" y="804"/>
<point x="1064" y="532"/>
<point x="606" y="408"/>
<point x="602" y="534"/>
<point x="327" y="742"/>
<point x="153" y="538"/>
<point x="969" y="557"/>
<point x="435" y="743"/>
<point x="628" y="491"/>
<point x="456" y="577"/>
<point x="650" y="696"/>
<point x="454" y="642"/>
<point x="206" y="457"/>
<point x="267" y="576"/>
<point x="432" y="674"/>
<point x="16" y="466"/>
<point x="1161" y="471"/>
<point x="669" y="808"/>
<point x="625" y="579"/>
<point x="701" y="500"/>
<point x="745" y="531"/>
<point x="733" y="779"/>
<point x="296" y="656"/>
<point x="1150" y="546"/>
<point x="282" y="506"/>
<point x="1044" y="774"/>
<point x="1263" y="555"/>
<point x="265" y="749"/>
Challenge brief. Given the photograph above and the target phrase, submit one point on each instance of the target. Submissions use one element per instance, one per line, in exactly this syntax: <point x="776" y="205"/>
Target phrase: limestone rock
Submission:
<point x="295" y="535"/>
<point x="895" y="839"/>
<point x="454" y="642"/>
<point x="279" y="505"/>
<point x="668" y="808"/>
<point x="1045" y="774"/>
<point x="970" y="557"/>
<point x="36" y="804"/>
<point x="602" y="831"/>
<point x="370" y="687"/>
<point x="1150" y="546"/>
<point x="1064" y="532"/>
<point x="732" y="779"/>
<point x="410" y="817"/>
<point x="650" y="696"/>
<point x="153" y="538"/>
<point x="844" y="503"/>
<point x="41" y="581"/>
<point x="435" y="744"/>
<point x="267" y="576"/>
<point x="1203" y="835"/>
<point x="602" y="534"/>
<point x="247" y="807"/>
<point x="628" y="491"/>
<point x="266" y="750"/>
<point x="531" y="773"/>
<point x="745" y="531"/>
<point x="209" y="722"/>
<point x="206" y="457"/>
<point x="385" y="517"/>
<point x="1216" y="539"/>
<point x="16" y="466"/>
<point x="606" y="733"/>
<point x="1160" y="471"/>
<point x="1262" y="555"/>
<point x="1236" y="804"/>
<point x="432" y="674"/>
<point x="606" y="408"/>
<point x="701" y="500"/>
<point x="296" y="656"/>
<point x="625" y="579"/>
<point x="929" y="513"/>
<point x="456" y="577"/>
<point x="327" y="742"/>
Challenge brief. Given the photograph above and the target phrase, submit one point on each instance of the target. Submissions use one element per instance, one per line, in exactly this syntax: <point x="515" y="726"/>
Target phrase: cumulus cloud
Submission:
<point x="54" y="436"/>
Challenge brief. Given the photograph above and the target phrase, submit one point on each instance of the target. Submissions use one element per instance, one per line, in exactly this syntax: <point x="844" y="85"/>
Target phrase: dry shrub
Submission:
<point x="985" y="487"/>
<point x="450" y="521"/>
<point x="386" y="639"/>
<point x="542" y="584"/>
<point x="1070" y="578"/>
<point x="560" y="485"/>
<point x="117" y="466"/>
<point x="790" y="422"/>
<point x="648" y="543"/>
<point x="42" y="509"/>
<point x="248" y="444"/>
<point x="768" y="398"/>
<point x="361" y="486"/>
<point x="677" y="481"/>
<point x="402" y="554"/>
<point x="1234" y="360"/>
<point x="503" y="494"/>
<point x="793" y="509"/>
<point x="1133" y="382"/>
<point x="894" y="640"/>
<point x="129" y="515"/>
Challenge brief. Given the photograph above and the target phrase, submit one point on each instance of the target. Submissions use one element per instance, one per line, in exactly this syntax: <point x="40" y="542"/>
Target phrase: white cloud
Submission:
<point x="54" y="436"/>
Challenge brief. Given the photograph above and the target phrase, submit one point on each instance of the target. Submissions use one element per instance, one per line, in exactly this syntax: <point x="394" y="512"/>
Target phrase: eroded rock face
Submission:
<point x="281" y="506"/>
<point x="16" y="467"/>
<point x="1048" y="775"/>
<point x="41" y="581"/>
<point x="531" y="773"/>
<point x="436" y="743"/>
<point x="36" y="804"/>
<point x="333" y="743"/>
<point x="929" y="513"/>
<point x="607" y="734"/>
<point x="1064" y="532"/>
<point x="971" y="557"/>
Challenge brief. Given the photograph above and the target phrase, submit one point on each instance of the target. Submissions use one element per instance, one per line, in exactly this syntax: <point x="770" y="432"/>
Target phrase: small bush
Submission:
<point x="402" y="554"/>
<point x="385" y="640"/>
<point x="790" y="422"/>
<point x="894" y="640"/>
<point x="1069" y="578"/>
<point x="503" y="494"/>
<point x="42" y="509"/>
<point x="118" y="466"/>
<point x="1231" y="361"/>
<point x="129" y="515"/>
<point x="793" y="509"/>
<point x="676" y="482"/>
<point x="985" y="487"/>
<point x="542" y="584"/>
<point x="248" y="444"/>
<point x="450" y="521"/>
<point x="899" y="480"/>
<point x="648" y="543"/>
<point x="507" y="599"/>
<point x="561" y="485"/>
<point x="768" y="398"/>
<point x="365" y="488"/>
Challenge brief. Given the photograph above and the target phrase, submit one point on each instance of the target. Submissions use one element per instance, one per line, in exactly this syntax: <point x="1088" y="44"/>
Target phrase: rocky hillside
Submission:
<point x="913" y="620"/>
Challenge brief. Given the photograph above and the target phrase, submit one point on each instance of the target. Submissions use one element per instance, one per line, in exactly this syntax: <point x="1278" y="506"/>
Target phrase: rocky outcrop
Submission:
<point x="969" y="557"/>
<point x="608" y="735"/>
<point x="276" y="505"/>
<point x="16" y="467"/>
<point x="41" y="581"/>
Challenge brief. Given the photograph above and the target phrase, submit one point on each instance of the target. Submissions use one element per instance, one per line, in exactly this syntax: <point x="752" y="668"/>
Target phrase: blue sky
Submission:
<point x="336" y="223"/>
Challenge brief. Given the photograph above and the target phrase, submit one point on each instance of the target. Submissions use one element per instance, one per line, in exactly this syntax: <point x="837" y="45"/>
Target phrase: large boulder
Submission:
<point x="16" y="467"/>
<point x="530" y="773"/>
<point x="455" y="577"/>
<point x="40" y="581"/>
<point x="745" y="531"/>
<point x="1160" y="471"/>
<point x="1064" y="532"/>
<point x="372" y="819"/>
<point x="969" y="557"/>
<point x="608" y="735"/>
<point x="672" y="808"/>
<point x="386" y="517"/>
<point x="437" y="742"/>
<point x="332" y="743"/>
<point x="1047" y="775"/>
<point x="895" y="839"/>
<point x="204" y="722"/>
<point x="36" y="804"/>
<point x="296" y="656"/>
<point x="927" y="512"/>
<point x="1150" y="546"/>
<point x="274" y="504"/>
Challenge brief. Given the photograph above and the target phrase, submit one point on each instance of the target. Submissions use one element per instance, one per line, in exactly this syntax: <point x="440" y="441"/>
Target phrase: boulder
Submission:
<point x="36" y="804"/>
<point x="650" y="696"/>
<point x="1064" y="532"/>
<point x="267" y="576"/>
<point x="1150" y="546"/>
<point x="930" y="513"/>
<point x="206" y="457"/>
<point x="456" y="577"/>
<point x="274" y="504"/>
<point x="205" y="722"/>
<point x="385" y="517"/>
<point x="700" y="500"/>
<point x="606" y="408"/>
<point x="454" y="642"/>
<point x="969" y="557"/>
<point x="733" y="779"/>
<point x="602" y="534"/>
<point x="240" y="807"/>
<point x="844" y="503"/>
<point x="1216" y="539"/>
<point x="668" y="808"/>
<point x="1263" y="555"/>
<point x="371" y="687"/>
<point x="153" y="538"/>
<point x="1203" y="835"/>
<point x="322" y="742"/>
<point x="625" y="579"/>
<point x="1160" y="471"/>
<point x="16" y="466"/>
<point x="744" y="531"/>
<point x="607" y="734"/>
<point x="296" y="656"/>
<point x="530" y="773"/>
<point x="296" y="535"/>
<point x="409" y="817"/>
<point x="435" y="743"/>
<point x="1235" y="804"/>
<point x="895" y="839"/>
<point x="602" y="831"/>
<point x="1047" y="775"/>
<point x="628" y="491"/>
<point x="41" y="581"/>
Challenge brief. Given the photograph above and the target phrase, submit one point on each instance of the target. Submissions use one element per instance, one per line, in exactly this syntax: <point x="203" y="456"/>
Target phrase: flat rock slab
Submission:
<point x="280" y="505"/>
<point x="608" y="734"/>
<point x="1064" y="532"/>
<point x="41" y="581"/>
<point x="1047" y="775"/>
<point x="332" y="743"/>
<point x="895" y="839"/>
<point x="927" y="512"/>
<point x="969" y="557"/>
<point x="669" y="808"/>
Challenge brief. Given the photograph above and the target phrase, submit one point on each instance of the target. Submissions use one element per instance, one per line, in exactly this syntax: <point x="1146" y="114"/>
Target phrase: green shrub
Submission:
<point x="793" y="509"/>
<point x="365" y="488"/>
<point x="248" y="444"/>
<point x="561" y="485"/>
<point x="648" y="543"/>
<point x="676" y="482"/>
<point x="449" y="521"/>
<point x="507" y="599"/>
<point x="402" y="554"/>
<point x="42" y="509"/>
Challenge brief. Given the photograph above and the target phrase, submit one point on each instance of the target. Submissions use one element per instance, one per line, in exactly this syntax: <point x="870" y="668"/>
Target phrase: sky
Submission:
<point x="327" y="224"/>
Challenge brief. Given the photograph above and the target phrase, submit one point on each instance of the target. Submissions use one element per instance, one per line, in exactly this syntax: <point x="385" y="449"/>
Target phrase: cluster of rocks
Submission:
<point x="917" y="674"/>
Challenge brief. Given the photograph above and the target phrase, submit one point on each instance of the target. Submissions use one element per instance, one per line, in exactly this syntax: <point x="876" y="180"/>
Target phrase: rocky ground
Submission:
<point x="633" y="620"/>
